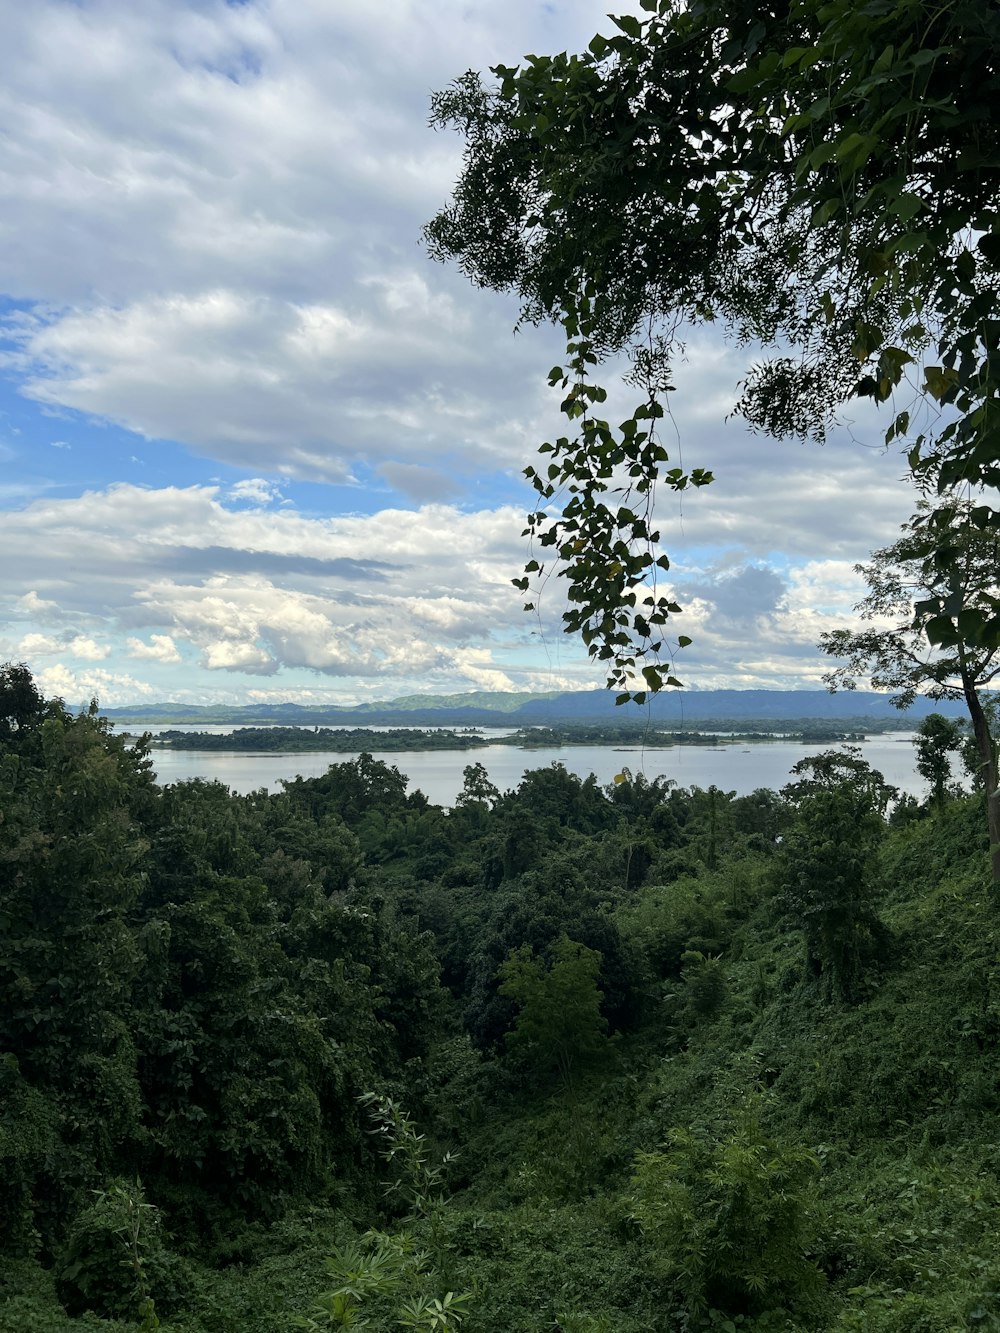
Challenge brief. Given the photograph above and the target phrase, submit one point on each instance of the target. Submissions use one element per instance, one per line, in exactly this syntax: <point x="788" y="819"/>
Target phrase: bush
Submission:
<point x="705" y="984"/>
<point x="28" y="1131"/>
<point x="114" y="1261"/>
<point x="727" y="1221"/>
<point x="667" y="921"/>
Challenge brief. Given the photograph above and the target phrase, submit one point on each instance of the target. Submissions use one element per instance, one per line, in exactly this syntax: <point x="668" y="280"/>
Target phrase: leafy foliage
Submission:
<point x="388" y="1266"/>
<point x="558" y="1025"/>
<point x="705" y="984"/>
<point x="391" y="1265"/>
<point x="826" y="868"/>
<point x="114" y="1257"/>
<point x="937" y="737"/>
<point x="938" y="583"/>
<point x="248" y="970"/>
<point x="728" y="1221"/>
<point x="21" y="705"/>
<point x="418" y="1183"/>
<point x="818" y="177"/>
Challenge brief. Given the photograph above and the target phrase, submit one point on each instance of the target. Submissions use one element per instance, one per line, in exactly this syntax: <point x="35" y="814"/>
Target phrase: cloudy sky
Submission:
<point x="255" y="445"/>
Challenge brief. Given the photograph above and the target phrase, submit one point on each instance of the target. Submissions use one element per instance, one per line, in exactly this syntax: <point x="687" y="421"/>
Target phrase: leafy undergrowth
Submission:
<point x="753" y="1150"/>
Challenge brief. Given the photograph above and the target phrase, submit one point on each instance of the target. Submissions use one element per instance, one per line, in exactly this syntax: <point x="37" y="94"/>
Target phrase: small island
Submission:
<point x="309" y="740"/>
<point x="400" y="740"/>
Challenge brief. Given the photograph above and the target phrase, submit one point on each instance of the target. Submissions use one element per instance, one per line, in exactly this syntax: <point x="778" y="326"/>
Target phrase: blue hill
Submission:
<point x="677" y="709"/>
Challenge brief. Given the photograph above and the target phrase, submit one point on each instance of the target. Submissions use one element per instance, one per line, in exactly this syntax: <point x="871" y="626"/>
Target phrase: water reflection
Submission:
<point x="438" y="773"/>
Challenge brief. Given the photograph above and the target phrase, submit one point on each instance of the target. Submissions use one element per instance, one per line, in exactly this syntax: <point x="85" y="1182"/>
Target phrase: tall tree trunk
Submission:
<point x="988" y="768"/>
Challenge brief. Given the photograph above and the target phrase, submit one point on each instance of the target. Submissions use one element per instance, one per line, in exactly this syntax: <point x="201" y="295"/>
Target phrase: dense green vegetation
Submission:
<point x="726" y="733"/>
<point x="398" y="740"/>
<point x="569" y="1057"/>
<point x="300" y="740"/>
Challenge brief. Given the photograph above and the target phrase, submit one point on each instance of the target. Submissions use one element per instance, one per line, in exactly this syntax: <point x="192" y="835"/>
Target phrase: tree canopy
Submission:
<point x="931" y="614"/>
<point x="572" y="1075"/>
<point x="819" y="177"/>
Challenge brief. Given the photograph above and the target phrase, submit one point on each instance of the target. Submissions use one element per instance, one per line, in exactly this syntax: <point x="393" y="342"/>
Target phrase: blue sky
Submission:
<point x="256" y="446"/>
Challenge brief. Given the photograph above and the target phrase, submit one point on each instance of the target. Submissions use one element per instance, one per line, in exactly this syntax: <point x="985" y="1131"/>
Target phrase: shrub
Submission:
<point x="727" y="1221"/>
<point x="114" y="1261"/>
<point x="705" y="983"/>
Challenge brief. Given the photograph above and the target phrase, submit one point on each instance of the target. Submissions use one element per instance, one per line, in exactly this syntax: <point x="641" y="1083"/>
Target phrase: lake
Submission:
<point x="438" y="773"/>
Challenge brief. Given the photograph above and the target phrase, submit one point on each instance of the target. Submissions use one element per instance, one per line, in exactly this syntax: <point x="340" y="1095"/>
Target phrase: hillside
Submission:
<point x="677" y="709"/>
<point x="597" y="1060"/>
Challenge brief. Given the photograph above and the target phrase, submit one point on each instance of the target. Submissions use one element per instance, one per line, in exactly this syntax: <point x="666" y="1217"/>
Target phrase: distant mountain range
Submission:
<point x="482" y="708"/>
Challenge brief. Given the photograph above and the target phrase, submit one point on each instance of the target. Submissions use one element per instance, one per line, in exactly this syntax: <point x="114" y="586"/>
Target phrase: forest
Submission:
<point x="567" y="1057"/>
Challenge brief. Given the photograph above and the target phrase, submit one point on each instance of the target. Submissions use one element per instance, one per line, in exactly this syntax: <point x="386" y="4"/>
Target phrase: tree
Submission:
<point x="22" y="707"/>
<point x="559" y="1024"/>
<point x="74" y="801"/>
<point x="937" y="737"/>
<point x="533" y="911"/>
<point x="970" y="750"/>
<point x="352" y="789"/>
<point x="819" y="177"/>
<point x="478" y="795"/>
<point x="940" y="601"/>
<point x="834" y="769"/>
<point x="825" y="866"/>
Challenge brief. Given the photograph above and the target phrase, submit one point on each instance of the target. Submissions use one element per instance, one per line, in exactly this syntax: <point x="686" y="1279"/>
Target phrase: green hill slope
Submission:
<point x="699" y="1061"/>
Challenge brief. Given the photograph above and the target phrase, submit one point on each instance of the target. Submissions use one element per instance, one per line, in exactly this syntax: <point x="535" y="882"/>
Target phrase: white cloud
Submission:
<point x="825" y="587"/>
<point x="161" y="648"/>
<point x="417" y="596"/>
<point x="301" y="391"/>
<point x="37" y="645"/>
<point x="210" y="223"/>
<point x="30" y="604"/>
<point x="88" y="650"/>
<point x="256" y="490"/>
<point x="216" y="211"/>
<point x="245" y="144"/>
<point x="226" y="655"/>
<point x="383" y="603"/>
<point x="478" y="667"/>
<point x="112" y="688"/>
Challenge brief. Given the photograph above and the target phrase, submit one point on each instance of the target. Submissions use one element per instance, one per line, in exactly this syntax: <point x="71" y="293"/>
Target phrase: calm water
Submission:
<point x="438" y="773"/>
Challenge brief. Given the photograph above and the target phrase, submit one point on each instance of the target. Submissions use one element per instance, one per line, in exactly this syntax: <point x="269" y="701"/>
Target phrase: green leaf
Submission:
<point x="940" y="630"/>
<point x="905" y="206"/>
<point x="825" y="212"/>
<point x="884" y="61"/>
<point x="822" y="154"/>
<point x="794" y="55"/>
<point x="939" y="381"/>
<point x="743" y="80"/>
<point x="628" y="24"/>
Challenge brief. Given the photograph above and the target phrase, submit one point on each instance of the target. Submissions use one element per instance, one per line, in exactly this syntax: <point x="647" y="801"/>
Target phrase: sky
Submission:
<point x="255" y="446"/>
